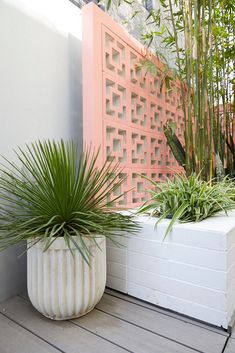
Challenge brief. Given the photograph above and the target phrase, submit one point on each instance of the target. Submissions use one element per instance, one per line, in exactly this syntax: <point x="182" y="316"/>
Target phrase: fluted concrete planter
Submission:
<point x="61" y="286"/>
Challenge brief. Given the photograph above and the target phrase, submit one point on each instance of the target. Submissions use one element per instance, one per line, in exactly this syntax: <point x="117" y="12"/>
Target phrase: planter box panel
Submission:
<point x="182" y="235"/>
<point x="198" y="295"/>
<point x="212" y="259"/>
<point x="200" y="312"/>
<point x="200" y="276"/>
<point x="204" y="257"/>
<point x="148" y="263"/>
<point x="231" y="256"/>
<point x="149" y="247"/>
<point x="231" y="290"/>
<point x="231" y="279"/>
<point x="191" y="272"/>
<point x="219" y="224"/>
<point x="148" y="279"/>
<point x="208" y="237"/>
<point x="197" y="275"/>
<point x="116" y="283"/>
<point x="148" y="294"/>
<point x="116" y="254"/>
<point x="182" y="290"/>
<point x="230" y="239"/>
<point x="197" y="311"/>
<point x="117" y="264"/>
<point x="116" y="269"/>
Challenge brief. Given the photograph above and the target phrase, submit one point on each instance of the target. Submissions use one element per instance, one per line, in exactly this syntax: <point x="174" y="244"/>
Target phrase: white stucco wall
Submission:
<point x="40" y="89"/>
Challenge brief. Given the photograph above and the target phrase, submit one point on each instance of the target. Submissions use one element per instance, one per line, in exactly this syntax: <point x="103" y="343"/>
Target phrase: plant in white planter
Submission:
<point x="56" y="200"/>
<point x="189" y="199"/>
<point x="192" y="269"/>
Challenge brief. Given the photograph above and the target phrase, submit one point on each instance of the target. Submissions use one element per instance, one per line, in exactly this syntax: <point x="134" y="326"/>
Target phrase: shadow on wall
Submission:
<point x="41" y="97"/>
<point x="12" y="271"/>
<point x="75" y="89"/>
<point x="40" y="85"/>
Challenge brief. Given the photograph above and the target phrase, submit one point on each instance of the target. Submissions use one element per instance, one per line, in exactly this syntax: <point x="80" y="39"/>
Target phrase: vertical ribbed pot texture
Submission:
<point x="62" y="286"/>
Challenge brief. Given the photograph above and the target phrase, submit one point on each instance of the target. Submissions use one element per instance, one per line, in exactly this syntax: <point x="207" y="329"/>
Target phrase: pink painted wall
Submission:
<point x="123" y="109"/>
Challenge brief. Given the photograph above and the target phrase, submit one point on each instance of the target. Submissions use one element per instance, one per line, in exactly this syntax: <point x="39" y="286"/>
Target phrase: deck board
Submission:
<point x="179" y="331"/>
<point x="14" y="338"/>
<point x="118" y="324"/>
<point x="133" y="338"/>
<point x="230" y="348"/>
<point x="165" y="312"/>
<point x="63" y="334"/>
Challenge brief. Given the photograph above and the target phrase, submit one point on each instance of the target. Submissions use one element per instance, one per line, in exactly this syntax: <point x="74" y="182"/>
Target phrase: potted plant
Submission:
<point x="56" y="200"/>
<point x="188" y="199"/>
<point x="183" y="258"/>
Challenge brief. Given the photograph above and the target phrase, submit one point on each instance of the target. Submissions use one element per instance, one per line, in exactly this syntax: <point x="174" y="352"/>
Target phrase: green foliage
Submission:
<point x="231" y="148"/>
<point x="147" y="66"/>
<point x="175" y="144"/>
<point x="189" y="199"/>
<point x="53" y="192"/>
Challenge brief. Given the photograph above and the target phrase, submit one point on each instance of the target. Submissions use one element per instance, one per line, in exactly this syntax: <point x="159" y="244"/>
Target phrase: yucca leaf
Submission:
<point x="55" y="191"/>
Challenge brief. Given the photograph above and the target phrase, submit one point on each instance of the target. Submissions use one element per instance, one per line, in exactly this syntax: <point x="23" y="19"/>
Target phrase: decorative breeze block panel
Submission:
<point x="125" y="108"/>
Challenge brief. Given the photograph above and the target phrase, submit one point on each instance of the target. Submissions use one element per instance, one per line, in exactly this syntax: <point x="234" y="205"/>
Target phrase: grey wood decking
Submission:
<point x="119" y="323"/>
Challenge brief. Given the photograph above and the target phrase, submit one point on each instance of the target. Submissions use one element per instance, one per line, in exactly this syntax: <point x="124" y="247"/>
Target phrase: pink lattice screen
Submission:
<point x="123" y="108"/>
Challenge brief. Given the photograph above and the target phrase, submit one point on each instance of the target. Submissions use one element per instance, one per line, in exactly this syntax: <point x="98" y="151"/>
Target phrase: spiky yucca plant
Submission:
<point x="54" y="192"/>
<point x="189" y="199"/>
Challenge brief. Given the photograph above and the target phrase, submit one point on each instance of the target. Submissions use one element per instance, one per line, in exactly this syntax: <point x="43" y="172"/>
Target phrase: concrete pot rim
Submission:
<point x="60" y="244"/>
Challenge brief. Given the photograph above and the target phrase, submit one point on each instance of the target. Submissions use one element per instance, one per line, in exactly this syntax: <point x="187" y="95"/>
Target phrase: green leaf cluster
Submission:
<point x="53" y="191"/>
<point x="189" y="199"/>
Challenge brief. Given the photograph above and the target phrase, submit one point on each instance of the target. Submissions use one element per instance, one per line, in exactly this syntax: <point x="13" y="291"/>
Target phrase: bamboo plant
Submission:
<point x="193" y="21"/>
<point x="201" y="36"/>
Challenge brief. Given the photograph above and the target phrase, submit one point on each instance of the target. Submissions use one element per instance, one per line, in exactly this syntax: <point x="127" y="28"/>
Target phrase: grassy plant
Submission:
<point x="189" y="199"/>
<point x="53" y="192"/>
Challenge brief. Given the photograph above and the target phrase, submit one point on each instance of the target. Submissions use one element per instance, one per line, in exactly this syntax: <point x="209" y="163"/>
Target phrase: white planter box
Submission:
<point x="192" y="272"/>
